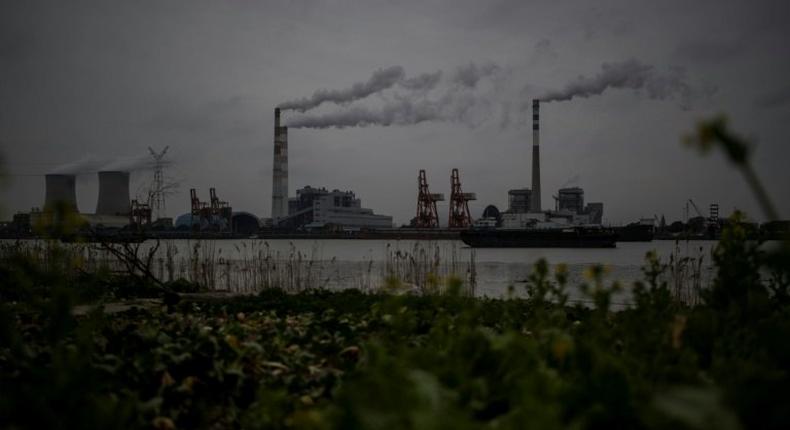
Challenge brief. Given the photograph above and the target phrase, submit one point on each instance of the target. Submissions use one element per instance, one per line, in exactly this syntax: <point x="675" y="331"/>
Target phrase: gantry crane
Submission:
<point x="220" y="210"/>
<point x="459" y="203"/>
<point x="427" y="214"/>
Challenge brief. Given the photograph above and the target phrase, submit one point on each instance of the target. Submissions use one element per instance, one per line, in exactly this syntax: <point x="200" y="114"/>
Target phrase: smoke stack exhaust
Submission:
<point x="113" y="194"/>
<point x="280" y="170"/>
<point x="535" y="203"/>
<point x="61" y="190"/>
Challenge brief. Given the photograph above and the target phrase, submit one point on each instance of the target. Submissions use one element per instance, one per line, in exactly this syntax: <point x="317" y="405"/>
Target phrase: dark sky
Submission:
<point x="104" y="80"/>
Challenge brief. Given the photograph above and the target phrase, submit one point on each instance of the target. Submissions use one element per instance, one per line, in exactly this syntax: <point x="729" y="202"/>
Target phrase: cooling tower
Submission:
<point x="280" y="170"/>
<point x="113" y="194"/>
<point x="535" y="156"/>
<point x="61" y="190"/>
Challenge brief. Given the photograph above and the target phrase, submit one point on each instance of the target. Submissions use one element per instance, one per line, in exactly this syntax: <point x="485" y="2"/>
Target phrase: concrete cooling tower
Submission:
<point x="113" y="194"/>
<point x="60" y="190"/>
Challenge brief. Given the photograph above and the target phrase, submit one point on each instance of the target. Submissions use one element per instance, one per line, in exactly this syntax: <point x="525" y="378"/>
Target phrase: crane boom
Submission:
<point x="696" y="209"/>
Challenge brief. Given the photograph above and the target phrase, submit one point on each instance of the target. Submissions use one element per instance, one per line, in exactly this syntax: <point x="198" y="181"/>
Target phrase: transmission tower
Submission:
<point x="157" y="194"/>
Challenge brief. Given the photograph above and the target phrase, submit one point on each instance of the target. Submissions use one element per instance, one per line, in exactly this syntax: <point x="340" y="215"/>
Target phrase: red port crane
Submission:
<point x="459" y="203"/>
<point x="427" y="215"/>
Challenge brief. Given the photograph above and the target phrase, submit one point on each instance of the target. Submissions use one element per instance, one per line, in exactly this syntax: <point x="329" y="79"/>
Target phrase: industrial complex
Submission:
<point x="320" y="211"/>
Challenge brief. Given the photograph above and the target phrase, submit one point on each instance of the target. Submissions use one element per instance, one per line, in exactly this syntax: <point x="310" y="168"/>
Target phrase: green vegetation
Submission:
<point x="320" y="359"/>
<point x="71" y="356"/>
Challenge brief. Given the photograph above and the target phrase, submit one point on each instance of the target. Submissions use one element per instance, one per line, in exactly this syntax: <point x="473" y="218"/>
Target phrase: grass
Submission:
<point x="311" y="358"/>
<point x="251" y="266"/>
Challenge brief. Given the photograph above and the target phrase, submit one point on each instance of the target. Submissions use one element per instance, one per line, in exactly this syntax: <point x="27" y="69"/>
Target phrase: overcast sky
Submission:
<point x="106" y="79"/>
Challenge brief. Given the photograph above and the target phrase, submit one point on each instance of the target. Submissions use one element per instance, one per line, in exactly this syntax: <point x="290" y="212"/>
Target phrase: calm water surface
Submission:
<point x="247" y="265"/>
<point x="496" y="272"/>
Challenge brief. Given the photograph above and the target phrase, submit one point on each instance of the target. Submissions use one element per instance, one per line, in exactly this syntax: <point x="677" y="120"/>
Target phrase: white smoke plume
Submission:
<point x="423" y="82"/>
<point x="131" y="163"/>
<point x="458" y="102"/>
<point x="462" y="98"/>
<point x="571" y="181"/>
<point x="451" y="107"/>
<point x="381" y="79"/>
<point x="87" y="164"/>
<point x="454" y="105"/>
<point x="630" y="74"/>
<point x="401" y="112"/>
<point x="92" y="164"/>
<point x="470" y="74"/>
<point x="384" y="79"/>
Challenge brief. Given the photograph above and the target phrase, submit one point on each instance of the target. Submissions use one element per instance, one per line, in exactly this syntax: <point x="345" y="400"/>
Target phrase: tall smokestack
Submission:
<point x="535" y="202"/>
<point x="61" y="190"/>
<point x="280" y="170"/>
<point x="113" y="194"/>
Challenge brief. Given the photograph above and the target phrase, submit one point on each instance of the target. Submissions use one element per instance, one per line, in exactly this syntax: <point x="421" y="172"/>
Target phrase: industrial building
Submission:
<point x="519" y="200"/>
<point x="319" y="208"/>
<point x="216" y="216"/>
<point x="314" y="208"/>
<point x="570" y="206"/>
<point x="524" y="204"/>
<point x="240" y="223"/>
<point x="570" y="199"/>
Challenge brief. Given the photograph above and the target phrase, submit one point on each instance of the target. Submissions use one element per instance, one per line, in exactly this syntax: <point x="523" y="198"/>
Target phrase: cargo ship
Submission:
<point x="569" y="237"/>
<point x="642" y="231"/>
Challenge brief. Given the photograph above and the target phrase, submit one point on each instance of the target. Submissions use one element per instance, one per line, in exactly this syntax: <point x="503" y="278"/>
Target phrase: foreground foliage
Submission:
<point x="347" y="359"/>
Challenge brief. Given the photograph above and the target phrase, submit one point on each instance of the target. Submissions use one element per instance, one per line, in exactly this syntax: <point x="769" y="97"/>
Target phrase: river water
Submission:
<point x="247" y="265"/>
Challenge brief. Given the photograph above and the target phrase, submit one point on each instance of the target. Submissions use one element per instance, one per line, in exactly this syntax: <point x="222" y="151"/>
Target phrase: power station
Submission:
<point x="314" y="208"/>
<point x="319" y="209"/>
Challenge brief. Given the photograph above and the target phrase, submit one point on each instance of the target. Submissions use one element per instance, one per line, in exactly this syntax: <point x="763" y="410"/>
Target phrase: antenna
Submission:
<point x="157" y="193"/>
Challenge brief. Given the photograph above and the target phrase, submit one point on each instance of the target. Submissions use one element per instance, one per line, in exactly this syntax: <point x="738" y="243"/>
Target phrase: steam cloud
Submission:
<point x="403" y="112"/>
<point x="456" y="103"/>
<point x="629" y="74"/>
<point x="89" y="163"/>
<point x="453" y="106"/>
<point x="93" y="164"/>
<point x="128" y="164"/>
<point x="464" y="100"/>
<point x="571" y="181"/>
<point x="381" y="80"/>
<point x="471" y="74"/>
<point x="423" y="82"/>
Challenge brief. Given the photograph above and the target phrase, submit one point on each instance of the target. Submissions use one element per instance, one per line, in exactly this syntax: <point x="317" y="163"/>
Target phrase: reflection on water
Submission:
<point x="247" y="266"/>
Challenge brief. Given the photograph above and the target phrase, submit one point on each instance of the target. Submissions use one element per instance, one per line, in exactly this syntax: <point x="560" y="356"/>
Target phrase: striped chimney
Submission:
<point x="280" y="170"/>
<point x="535" y="201"/>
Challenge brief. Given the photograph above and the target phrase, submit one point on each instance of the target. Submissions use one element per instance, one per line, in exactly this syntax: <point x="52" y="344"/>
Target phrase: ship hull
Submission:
<point x="571" y="238"/>
<point x="635" y="233"/>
